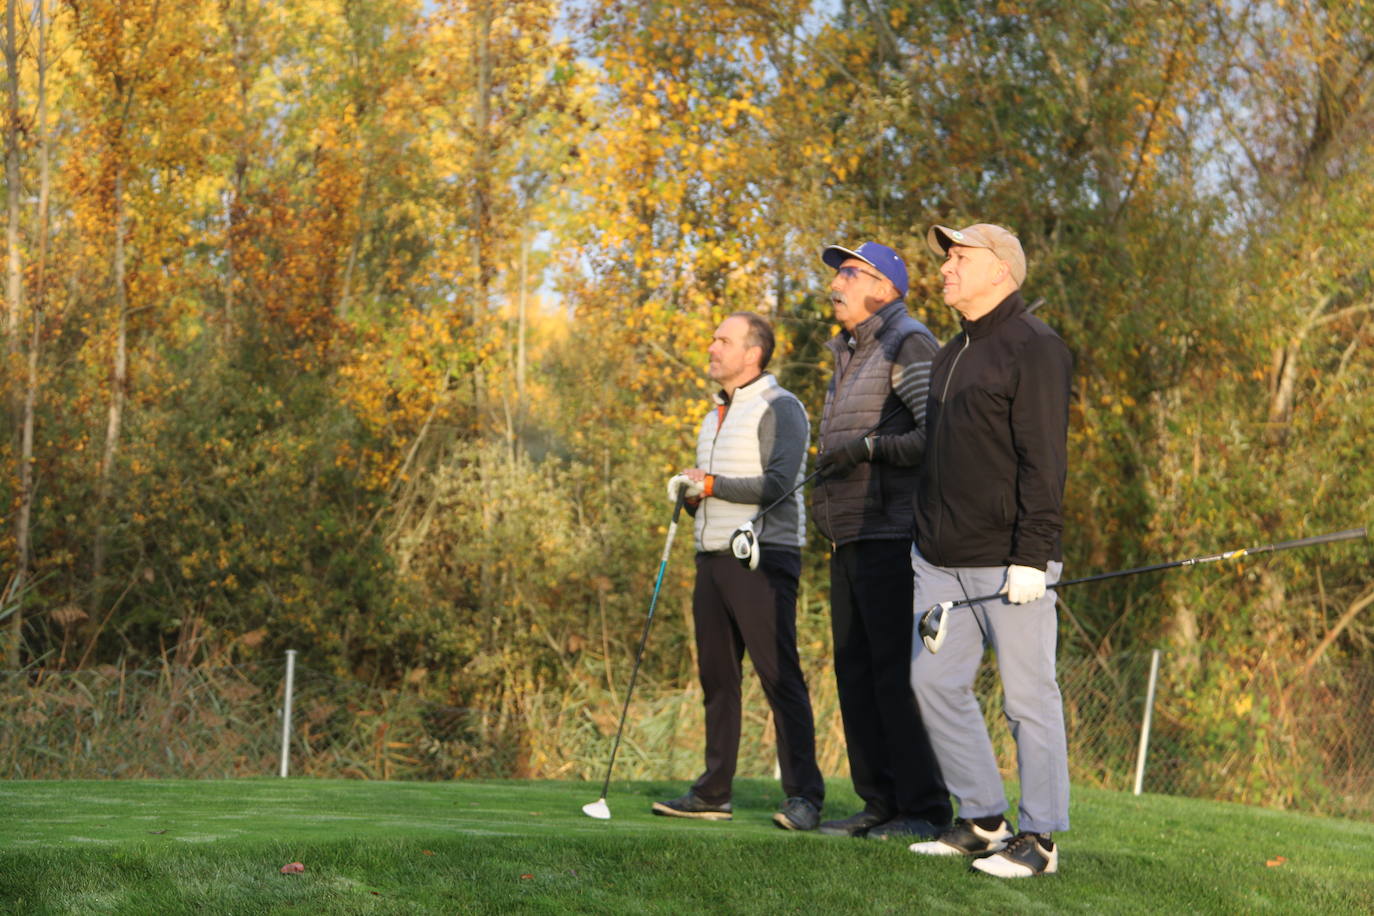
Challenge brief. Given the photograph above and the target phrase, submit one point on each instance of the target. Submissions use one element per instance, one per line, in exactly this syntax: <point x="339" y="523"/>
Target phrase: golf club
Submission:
<point x="744" y="543"/>
<point x="598" y="809"/>
<point x="932" y="623"/>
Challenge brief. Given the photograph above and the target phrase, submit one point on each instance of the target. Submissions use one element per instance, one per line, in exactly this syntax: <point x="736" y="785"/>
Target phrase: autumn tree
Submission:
<point x="1290" y="116"/>
<point x="504" y="99"/>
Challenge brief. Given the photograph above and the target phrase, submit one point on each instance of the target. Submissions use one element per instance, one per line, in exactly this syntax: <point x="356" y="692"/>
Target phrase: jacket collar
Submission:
<point x="1008" y="308"/>
<point x="747" y="390"/>
<point x="867" y="331"/>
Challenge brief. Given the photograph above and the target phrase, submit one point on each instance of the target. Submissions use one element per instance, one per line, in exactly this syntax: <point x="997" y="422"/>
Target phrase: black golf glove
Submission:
<point x="840" y="461"/>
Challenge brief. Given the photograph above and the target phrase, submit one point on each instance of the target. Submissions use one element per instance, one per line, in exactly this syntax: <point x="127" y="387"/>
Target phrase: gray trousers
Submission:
<point x="1023" y="638"/>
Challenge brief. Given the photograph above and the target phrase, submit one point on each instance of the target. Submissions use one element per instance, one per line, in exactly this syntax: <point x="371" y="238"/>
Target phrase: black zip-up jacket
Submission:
<point x="992" y="487"/>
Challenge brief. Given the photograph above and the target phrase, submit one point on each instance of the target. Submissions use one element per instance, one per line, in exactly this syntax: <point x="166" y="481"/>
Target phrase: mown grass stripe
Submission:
<point x="510" y="846"/>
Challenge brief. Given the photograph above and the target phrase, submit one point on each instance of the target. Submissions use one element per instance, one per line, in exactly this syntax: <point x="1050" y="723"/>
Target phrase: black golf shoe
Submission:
<point x="854" y="825"/>
<point x="798" y="813"/>
<point x="965" y="838"/>
<point x="690" y="806"/>
<point x="905" y="827"/>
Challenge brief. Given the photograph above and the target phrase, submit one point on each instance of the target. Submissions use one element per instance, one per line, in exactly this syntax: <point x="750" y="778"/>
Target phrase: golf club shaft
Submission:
<point x="643" y="639"/>
<point x="1332" y="537"/>
<point x="896" y="409"/>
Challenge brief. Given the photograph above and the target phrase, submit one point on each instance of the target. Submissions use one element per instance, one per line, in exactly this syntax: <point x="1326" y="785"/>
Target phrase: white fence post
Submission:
<point x="1145" y="722"/>
<point x="286" y="712"/>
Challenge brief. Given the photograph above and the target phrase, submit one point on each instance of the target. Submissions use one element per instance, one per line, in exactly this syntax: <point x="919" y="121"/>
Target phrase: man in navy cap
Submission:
<point x="872" y="439"/>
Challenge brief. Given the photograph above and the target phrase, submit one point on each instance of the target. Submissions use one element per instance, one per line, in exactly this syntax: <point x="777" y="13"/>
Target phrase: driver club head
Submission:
<point x="745" y="546"/>
<point x="932" y="626"/>
<point x="597" y="809"/>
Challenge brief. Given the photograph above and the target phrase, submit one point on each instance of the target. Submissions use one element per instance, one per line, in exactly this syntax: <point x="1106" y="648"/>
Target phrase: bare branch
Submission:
<point x="1359" y="604"/>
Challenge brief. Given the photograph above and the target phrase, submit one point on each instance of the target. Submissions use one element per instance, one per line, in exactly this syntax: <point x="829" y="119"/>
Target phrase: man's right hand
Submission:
<point x="692" y="489"/>
<point x="838" y="461"/>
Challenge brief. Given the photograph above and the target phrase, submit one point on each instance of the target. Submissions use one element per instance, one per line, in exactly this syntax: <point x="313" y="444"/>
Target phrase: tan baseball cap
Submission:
<point x="997" y="239"/>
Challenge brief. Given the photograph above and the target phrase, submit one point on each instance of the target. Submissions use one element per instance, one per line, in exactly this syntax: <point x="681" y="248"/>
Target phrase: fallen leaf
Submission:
<point x="292" y="868"/>
<point x="426" y="852"/>
<point x="1276" y="861"/>
<point x="526" y="877"/>
<point x="157" y="832"/>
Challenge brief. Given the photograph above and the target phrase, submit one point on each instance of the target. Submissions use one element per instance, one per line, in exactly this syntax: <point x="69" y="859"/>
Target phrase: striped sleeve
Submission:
<point x="911" y="384"/>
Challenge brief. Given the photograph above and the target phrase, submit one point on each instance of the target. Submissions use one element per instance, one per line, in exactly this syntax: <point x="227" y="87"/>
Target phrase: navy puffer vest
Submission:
<point x="874" y="499"/>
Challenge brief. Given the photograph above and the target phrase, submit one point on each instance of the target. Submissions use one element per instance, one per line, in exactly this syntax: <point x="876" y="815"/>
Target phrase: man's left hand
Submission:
<point x="1024" y="584"/>
<point x="839" y="461"/>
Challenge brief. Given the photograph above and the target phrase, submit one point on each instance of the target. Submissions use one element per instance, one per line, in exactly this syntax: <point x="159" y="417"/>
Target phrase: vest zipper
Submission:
<point x="711" y="463"/>
<point x="840" y="374"/>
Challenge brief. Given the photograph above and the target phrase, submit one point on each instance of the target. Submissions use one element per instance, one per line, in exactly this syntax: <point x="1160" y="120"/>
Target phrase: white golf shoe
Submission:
<point x="1027" y="855"/>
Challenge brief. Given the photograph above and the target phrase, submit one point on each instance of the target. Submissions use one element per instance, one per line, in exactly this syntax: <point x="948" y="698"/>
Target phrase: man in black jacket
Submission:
<point x="872" y="437"/>
<point x="988" y="519"/>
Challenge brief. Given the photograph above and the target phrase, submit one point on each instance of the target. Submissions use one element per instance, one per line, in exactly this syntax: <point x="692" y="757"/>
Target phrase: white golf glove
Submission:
<point x="1024" y="584"/>
<point x="691" y="488"/>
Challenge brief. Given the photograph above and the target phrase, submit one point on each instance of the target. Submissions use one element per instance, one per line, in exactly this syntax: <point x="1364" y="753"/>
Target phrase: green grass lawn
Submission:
<point x="498" y="847"/>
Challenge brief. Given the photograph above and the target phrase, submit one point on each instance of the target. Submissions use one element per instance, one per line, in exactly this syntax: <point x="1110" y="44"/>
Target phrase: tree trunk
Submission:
<point x="481" y="210"/>
<point x="119" y="380"/>
<point x="14" y="288"/>
<point x="14" y="291"/>
<point x="231" y="280"/>
<point x="241" y="49"/>
<point x="522" y="326"/>
<point x="24" y="517"/>
<point x="481" y="169"/>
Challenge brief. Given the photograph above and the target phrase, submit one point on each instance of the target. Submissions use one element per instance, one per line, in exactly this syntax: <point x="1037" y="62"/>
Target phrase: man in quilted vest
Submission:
<point x="750" y="451"/>
<point x="872" y="440"/>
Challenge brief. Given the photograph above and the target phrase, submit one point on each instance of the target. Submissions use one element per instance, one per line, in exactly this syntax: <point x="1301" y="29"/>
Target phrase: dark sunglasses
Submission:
<point x="853" y="273"/>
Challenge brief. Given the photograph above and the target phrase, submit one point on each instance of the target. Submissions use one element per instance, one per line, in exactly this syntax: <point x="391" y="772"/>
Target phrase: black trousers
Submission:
<point x="736" y="609"/>
<point x="890" y="758"/>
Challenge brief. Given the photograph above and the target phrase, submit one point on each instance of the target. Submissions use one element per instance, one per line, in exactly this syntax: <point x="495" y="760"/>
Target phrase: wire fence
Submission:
<point x="1301" y="745"/>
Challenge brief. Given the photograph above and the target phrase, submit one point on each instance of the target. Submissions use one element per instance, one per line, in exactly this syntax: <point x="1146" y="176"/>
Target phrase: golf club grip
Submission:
<point x="672" y="530"/>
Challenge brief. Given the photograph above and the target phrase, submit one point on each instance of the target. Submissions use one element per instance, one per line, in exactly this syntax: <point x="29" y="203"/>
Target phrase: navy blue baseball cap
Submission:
<point x="887" y="262"/>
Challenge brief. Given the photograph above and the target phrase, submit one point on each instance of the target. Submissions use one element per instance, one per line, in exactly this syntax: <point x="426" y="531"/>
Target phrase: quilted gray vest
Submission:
<point x="874" y="499"/>
<point x="731" y="449"/>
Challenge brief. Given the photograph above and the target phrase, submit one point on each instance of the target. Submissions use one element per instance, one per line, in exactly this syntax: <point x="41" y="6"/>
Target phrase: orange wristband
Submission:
<point x="710" y="485"/>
